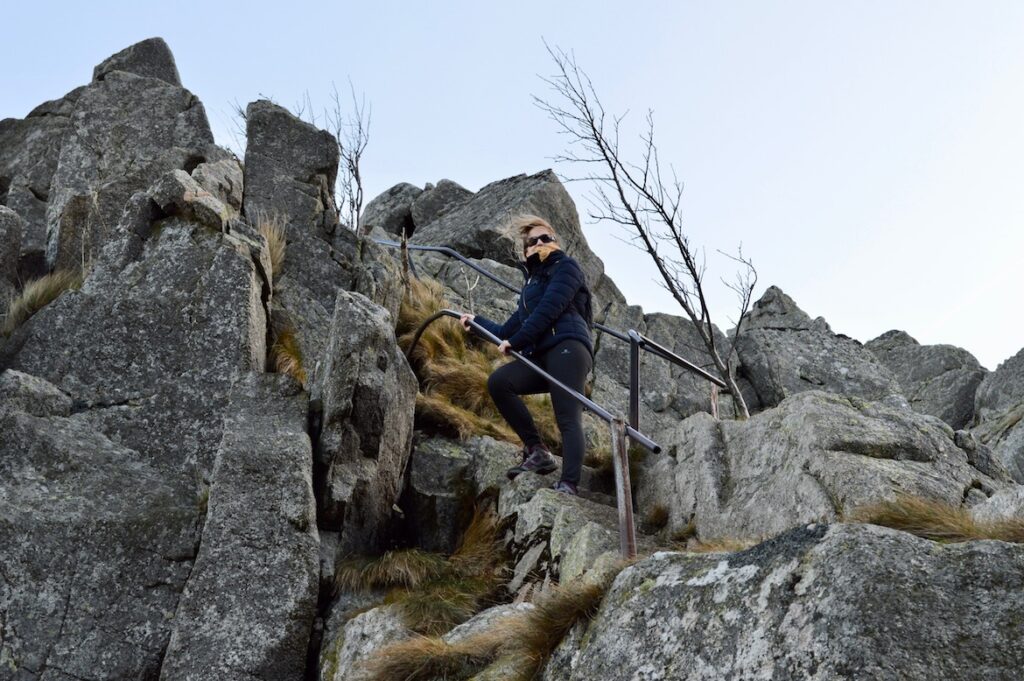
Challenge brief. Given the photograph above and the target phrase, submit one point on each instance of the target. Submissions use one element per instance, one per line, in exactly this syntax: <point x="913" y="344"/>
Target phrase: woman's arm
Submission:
<point x="566" y="281"/>
<point x="502" y="331"/>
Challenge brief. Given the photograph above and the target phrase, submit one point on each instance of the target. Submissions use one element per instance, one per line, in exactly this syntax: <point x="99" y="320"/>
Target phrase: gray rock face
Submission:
<point x="363" y="635"/>
<point x="29" y="150"/>
<point x="820" y="602"/>
<point x="391" y="211"/>
<point x="783" y="353"/>
<point x="261" y="523"/>
<point x="176" y="193"/>
<point x="940" y="380"/>
<point x="445" y="479"/>
<point x="11" y="228"/>
<point x="126" y="131"/>
<point x="151" y="58"/>
<point x="437" y="200"/>
<point x="290" y="169"/>
<point x="999" y="414"/>
<point x="149" y="350"/>
<point x="813" y="458"/>
<point x="475" y="227"/>
<point x="368" y="393"/>
<point x="96" y="543"/>
<point x="1006" y="504"/>
<point x="223" y="179"/>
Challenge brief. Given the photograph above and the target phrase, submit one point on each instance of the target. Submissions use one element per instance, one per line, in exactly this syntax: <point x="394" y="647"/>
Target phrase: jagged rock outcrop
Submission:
<point x="784" y="352"/>
<point x="999" y="413"/>
<point x="290" y="169"/>
<point x="475" y="227"/>
<point x="151" y="58"/>
<point x="940" y="380"/>
<point x="436" y="200"/>
<point x="260" y="523"/>
<point x="813" y="458"/>
<point x="820" y="602"/>
<point x="126" y="131"/>
<point x="355" y="643"/>
<point x="368" y="393"/>
<point x="29" y="151"/>
<point x="391" y="211"/>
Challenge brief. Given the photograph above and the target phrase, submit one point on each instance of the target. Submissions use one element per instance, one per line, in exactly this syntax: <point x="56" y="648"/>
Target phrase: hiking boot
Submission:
<point x="538" y="461"/>
<point x="565" y="487"/>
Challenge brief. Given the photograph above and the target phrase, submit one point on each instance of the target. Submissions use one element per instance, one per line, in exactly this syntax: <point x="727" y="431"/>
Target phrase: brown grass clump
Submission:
<point x="719" y="545"/>
<point x="434" y="593"/>
<point x="424" y="658"/>
<point x="453" y="370"/>
<point x="36" y="295"/>
<point x="656" y="518"/>
<point x="286" y="355"/>
<point x="272" y="229"/>
<point x="938" y="521"/>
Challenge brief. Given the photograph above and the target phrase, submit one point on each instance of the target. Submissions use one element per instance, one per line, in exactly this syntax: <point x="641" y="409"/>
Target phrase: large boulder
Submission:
<point x="261" y="524"/>
<point x="815" y="457"/>
<point x="784" y="352"/>
<point x="936" y="379"/>
<point x="474" y="228"/>
<point x="999" y="414"/>
<point x="126" y="131"/>
<point x="97" y="542"/>
<point x="368" y="396"/>
<point x="391" y="211"/>
<point x="820" y="602"/>
<point x="29" y="151"/>
<point x="346" y="653"/>
<point x="437" y="200"/>
<point x="151" y="58"/>
<point x="290" y="169"/>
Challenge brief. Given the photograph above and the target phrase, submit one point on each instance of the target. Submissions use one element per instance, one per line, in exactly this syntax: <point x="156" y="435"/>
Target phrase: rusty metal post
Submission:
<point x="623" y="492"/>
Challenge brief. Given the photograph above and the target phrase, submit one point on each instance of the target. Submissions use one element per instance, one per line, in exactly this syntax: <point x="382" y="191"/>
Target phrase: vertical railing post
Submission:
<point x="634" y="380"/>
<point x="623" y="492"/>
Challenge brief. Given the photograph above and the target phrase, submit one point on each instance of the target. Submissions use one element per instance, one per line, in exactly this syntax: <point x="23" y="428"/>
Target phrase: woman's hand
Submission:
<point x="504" y="347"/>
<point x="465" y="320"/>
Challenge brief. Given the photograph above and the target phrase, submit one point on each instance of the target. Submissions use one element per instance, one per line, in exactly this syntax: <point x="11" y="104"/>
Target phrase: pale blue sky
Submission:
<point x="869" y="155"/>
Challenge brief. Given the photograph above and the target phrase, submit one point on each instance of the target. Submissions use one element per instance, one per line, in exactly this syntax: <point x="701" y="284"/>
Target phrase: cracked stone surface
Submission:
<point x="999" y="408"/>
<point x="814" y="457"/>
<point x="819" y="602"/>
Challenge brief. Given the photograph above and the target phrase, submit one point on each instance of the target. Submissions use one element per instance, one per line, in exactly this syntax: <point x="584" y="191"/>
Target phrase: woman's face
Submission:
<point x="536" y="231"/>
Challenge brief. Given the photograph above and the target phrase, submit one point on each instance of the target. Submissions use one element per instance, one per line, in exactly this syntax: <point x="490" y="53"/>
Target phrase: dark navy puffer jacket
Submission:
<point x="550" y="307"/>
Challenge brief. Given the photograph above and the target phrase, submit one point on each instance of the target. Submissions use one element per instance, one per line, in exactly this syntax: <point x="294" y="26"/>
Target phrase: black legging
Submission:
<point x="569" y="362"/>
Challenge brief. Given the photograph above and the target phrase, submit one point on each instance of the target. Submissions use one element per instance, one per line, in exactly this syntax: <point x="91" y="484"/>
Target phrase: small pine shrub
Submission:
<point x="36" y="295"/>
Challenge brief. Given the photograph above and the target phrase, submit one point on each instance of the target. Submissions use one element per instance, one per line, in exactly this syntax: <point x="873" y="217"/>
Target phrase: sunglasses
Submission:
<point x="539" y="239"/>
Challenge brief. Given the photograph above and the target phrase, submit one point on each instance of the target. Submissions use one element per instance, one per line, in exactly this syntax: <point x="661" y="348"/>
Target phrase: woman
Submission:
<point x="551" y="325"/>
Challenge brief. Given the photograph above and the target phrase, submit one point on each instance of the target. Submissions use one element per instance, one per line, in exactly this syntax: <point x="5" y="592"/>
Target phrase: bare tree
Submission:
<point x="351" y="130"/>
<point x="640" y="198"/>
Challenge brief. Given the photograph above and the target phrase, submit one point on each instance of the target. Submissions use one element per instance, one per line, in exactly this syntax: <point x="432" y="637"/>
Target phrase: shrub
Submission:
<point x="286" y="355"/>
<point x="36" y="295"/>
<point x="434" y="593"/>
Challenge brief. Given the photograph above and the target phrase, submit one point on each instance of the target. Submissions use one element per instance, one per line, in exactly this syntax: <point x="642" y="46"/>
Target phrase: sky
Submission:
<point x="868" y="156"/>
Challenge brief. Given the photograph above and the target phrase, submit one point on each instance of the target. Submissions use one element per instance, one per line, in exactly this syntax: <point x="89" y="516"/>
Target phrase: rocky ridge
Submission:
<point x="171" y="509"/>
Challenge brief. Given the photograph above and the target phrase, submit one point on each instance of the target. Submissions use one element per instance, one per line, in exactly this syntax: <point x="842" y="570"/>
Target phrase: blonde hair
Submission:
<point x="520" y="225"/>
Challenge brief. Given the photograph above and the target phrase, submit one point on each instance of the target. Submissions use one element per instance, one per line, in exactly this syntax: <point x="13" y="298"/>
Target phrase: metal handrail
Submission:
<point x="636" y="340"/>
<point x="619" y="432"/>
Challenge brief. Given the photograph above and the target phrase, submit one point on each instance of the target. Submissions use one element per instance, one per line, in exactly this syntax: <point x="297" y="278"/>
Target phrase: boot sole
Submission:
<point x="513" y="472"/>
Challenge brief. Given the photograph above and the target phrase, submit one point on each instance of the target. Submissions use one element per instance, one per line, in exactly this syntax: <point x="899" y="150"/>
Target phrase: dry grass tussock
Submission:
<point x="526" y="639"/>
<point x="286" y="355"/>
<point x="432" y="592"/>
<point x="36" y="295"/>
<point x="453" y="371"/>
<point x="272" y="229"/>
<point x="937" y="521"/>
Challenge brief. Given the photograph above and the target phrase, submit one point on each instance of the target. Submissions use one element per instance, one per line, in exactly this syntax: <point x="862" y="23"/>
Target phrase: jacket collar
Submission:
<point x="532" y="267"/>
